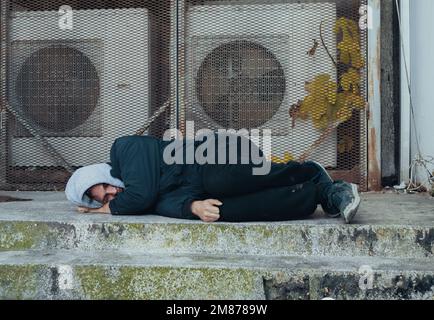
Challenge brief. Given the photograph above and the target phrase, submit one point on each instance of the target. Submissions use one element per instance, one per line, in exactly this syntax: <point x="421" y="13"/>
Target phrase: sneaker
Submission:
<point x="345" y="197"/>
<point x="324" y="181"/>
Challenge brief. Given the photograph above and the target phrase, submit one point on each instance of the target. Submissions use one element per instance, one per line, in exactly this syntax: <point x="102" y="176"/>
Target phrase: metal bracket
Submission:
<point x="35" y="133"/>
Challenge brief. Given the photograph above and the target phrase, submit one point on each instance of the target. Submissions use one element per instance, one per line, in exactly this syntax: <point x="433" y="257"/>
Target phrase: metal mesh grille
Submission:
<point x="57" y="88"/>
<point x="240" y="85"/>
<point x="79" y="75"/>
<point x="297" y="68"/>
<point x="73" y="84"/>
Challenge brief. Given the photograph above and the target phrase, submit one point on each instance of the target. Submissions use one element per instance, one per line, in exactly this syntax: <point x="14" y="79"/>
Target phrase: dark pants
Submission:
<point x="288" y="192"/>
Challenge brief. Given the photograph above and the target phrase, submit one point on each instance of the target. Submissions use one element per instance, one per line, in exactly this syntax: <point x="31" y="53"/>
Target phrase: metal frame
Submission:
<point x="180" y="65"/>
<point x="3" y="90"/>
<point x="173" y="69"/>
<point x="374" y="96"/>
<point x="177" y="97"/>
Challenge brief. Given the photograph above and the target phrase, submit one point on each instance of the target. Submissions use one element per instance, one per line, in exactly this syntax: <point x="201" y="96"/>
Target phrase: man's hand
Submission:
<point x="207" y="210"/>
<point x="105" y="209"/>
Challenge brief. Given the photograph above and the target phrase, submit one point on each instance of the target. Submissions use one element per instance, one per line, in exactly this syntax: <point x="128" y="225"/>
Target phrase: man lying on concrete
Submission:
<point x="142" y="178"/>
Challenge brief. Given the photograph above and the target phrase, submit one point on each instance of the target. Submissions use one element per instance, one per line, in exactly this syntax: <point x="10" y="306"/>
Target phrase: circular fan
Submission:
<point x="58" y="88"/>
<point x="240" y="85"/>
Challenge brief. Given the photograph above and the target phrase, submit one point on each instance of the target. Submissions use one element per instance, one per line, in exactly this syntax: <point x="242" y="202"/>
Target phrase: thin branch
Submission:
<point x="324" y="45"/>
<point x="324" y="136"/>
<point x="142" y="130"/>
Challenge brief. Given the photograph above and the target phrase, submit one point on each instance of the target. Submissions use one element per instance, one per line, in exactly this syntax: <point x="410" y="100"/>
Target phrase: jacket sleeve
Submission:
<point x="177" y="204"/>
<point x="136" y="161"/>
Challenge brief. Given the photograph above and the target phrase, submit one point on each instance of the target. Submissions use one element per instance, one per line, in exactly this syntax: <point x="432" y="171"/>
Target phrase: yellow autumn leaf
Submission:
<point x="349" y="46"/>
<point x="322" y="78"/>
<point x="350" y="81"/>
<point x="320" y="109"/>
<point x="341" y="100"/>
<point x="344" y="114"/>
<point x="307" y="106"/>
<point x="357" y="60"/>
<point x="356" y="101"/>
<point x="321" y="123"/>
<point x="345" y="57"/>
<point x="331" y="113"/>
<point x="343" y="109"/>
<point x="287" y="157"/>
<point x="331" y="92"/>
<point x="321" y="98"/>
<point x="322" y="86"/>
<point x="348" y="28"/>
<point x="349" y="53"/>
<point x="328" y="102"/>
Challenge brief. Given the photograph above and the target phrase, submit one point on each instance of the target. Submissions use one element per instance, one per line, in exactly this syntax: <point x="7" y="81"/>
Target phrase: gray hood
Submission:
<point x="86" y="177"/>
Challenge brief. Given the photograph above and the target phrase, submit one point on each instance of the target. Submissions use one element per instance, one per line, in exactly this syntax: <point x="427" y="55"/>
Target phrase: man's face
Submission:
<point x="104" y="192"/>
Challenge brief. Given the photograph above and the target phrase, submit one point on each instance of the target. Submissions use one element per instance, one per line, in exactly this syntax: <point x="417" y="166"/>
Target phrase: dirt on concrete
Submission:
<point x="12" y="199"/>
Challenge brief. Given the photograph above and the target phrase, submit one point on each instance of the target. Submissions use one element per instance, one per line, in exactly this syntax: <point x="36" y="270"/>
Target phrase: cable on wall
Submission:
<point x="419" y="160"/>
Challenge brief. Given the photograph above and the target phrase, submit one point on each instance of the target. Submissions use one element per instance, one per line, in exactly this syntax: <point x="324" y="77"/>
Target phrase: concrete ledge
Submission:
<point x="126" y="275"/>
<point x="49" y="222"/>
<point x="75" y="256"/>
<point x="387" y="225"/>
<point x="377" y="209"/>
<point x="274" y="239"/>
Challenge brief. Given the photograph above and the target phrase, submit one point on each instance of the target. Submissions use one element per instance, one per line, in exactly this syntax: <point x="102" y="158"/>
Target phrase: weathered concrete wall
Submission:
<point x="422" y="77"/>
<point x="125" y="275"/>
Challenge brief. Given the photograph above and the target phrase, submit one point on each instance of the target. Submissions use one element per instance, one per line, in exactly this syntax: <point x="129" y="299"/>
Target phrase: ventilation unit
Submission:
<point x="80" y="88"/>
<point x="248" y="64"/>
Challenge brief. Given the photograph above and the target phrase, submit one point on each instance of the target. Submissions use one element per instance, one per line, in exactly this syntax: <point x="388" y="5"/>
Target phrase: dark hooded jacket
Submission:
<point x="152" y="186"/>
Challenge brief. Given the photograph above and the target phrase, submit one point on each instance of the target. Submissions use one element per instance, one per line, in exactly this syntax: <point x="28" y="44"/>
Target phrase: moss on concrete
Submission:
<point x="168" y="283"/>
<point x="19" y="282"/>
<point x="25" y="235"/>
<point x="112" y="281"/>
<point x="21" y="235"/>
<point x="274" y="239"/>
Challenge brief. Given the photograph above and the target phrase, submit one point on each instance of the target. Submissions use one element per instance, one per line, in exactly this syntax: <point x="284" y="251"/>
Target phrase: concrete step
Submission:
<point x="386" y="225"/>
<point x="75" y="274"/>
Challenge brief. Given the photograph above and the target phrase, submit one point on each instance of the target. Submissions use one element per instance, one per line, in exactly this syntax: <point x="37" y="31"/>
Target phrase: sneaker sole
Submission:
<point x="351" y="210"/>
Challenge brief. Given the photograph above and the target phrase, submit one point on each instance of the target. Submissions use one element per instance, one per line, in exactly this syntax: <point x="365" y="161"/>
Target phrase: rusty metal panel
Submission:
<point x="374" y="76"/>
